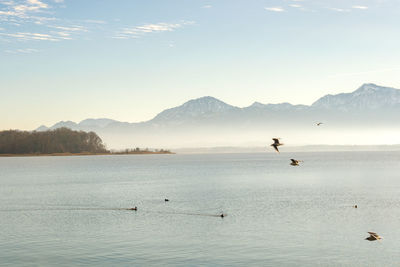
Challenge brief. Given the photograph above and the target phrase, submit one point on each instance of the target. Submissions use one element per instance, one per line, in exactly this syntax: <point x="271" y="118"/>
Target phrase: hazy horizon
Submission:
<point x="365" y="116"/>
<point x="180" y="104"/>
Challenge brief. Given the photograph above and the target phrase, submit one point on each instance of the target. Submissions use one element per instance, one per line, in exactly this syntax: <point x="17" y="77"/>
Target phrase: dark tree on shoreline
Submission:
<point x="62" y="140"/>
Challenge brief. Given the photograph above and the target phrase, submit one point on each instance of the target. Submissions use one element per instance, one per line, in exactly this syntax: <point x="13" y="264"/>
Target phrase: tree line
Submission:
<point x="61" y="140"/>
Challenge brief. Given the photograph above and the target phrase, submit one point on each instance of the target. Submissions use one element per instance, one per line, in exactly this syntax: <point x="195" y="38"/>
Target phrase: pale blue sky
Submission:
<point x="128" y="60"/>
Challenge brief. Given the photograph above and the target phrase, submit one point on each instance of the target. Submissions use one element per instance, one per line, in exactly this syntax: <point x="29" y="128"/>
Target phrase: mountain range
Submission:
<point x="366" y="115"/>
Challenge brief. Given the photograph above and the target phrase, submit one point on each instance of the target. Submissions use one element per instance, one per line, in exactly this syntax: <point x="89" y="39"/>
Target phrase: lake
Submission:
<point x="71" y="211"/>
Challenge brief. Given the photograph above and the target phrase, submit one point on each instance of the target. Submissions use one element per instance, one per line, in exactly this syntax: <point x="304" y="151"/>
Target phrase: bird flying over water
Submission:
<point x="373" y="236"/>
<point x="319" y="123"/>
<point x="276" y="144"/>
<point x="295" y="162"/>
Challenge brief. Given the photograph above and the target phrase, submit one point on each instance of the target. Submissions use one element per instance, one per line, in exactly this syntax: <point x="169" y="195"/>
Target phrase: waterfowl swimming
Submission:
<point x="319" y="123"/>
<point x="355" y="206"/>
<point x="373" y="236"/>
<point x="135" y="208"/>
<point x="166" y="199"/>
<point x="294" y="162"/>
<point x="276" y="144"/>
<point x="222" y="215"/>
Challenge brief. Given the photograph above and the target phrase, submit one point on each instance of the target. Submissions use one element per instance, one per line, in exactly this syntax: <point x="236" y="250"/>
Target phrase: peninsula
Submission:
<point x="60" y="142"/>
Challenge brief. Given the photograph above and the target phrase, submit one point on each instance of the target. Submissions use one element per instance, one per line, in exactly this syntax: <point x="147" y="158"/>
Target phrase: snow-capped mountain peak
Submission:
<point x="194" y="108"/>
<point x="368" y="97"/>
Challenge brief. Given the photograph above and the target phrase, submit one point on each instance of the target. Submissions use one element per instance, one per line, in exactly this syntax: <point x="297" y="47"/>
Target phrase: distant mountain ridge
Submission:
<point x="88" y="123"/>
<point x="368" y="96"/>
<point x="204" y="106"/>
<point x="198" y="118"/>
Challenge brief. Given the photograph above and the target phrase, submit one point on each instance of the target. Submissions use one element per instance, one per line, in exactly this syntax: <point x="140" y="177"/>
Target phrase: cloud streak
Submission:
<point x="22" y="51"/>
<point x="74" y="28"/>
<point x="21" y="9"/>
<point x="138" y="31"/>
<point x="360" y="7"/>
<point x="29" y="36"/>
<point x="275" y="9"/>
<point x="18" y="12"/>
<point x="32" y="20"/>
<point x="339" y="9"/>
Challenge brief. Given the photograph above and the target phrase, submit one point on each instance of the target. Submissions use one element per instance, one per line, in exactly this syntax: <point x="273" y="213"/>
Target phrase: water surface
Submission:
<point x="69" y="211"/>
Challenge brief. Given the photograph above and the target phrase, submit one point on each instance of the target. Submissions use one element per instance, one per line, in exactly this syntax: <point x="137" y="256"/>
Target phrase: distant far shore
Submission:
<point x="86" y="154"/>
<point x="287" y="148"/>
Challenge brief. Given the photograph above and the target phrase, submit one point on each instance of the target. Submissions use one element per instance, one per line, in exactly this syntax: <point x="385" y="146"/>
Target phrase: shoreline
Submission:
<point x="82" y="154"/>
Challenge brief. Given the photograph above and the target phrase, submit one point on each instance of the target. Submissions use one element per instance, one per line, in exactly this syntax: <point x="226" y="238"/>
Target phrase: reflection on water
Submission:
<point x="74" y="210"/>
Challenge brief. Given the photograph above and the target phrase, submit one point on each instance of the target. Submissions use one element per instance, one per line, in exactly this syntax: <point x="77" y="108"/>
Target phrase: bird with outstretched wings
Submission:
<point x="276" y="144"/>
<point x="373" y="236"/>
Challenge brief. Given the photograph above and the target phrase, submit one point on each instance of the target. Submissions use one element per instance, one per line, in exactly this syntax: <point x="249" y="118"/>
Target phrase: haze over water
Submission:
<point x="70" y="210"/>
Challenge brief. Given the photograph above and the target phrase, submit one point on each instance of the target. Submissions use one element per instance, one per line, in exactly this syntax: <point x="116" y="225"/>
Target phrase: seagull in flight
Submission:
<point x="319" y="123"/>
<point x="373" y="236"/>
<point x="276" y="144"/>
<point x="295" y="162"/>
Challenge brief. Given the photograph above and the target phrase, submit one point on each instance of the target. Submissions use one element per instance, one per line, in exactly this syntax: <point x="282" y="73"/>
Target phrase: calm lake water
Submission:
<point x="68" y="211"/>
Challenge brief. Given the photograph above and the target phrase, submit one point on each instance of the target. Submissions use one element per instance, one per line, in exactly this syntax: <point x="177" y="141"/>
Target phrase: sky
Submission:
<point x="130" y="59"/>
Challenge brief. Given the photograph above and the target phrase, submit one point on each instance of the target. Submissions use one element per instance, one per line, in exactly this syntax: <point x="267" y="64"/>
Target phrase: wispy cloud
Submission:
<point x="24" y="11"/>
<point x="74" y="28"/>
<point x="42" y="20"/>
<point x="35" y="21"/>
<point x="138" y="31"/>
<point x="160" y="27"/>
<point x="27" y="36"/>
<point x="64" y="34"/>
<point x="275" y="9"/>
<point x="359" y="7"/>
<point x="207" y="6"/>
<point x="22" y="51"/>
<point x="295" y="5"/>
<point x="339" y="9"/>
<point x="59" y="33"/>
<point x="20" y="9"/>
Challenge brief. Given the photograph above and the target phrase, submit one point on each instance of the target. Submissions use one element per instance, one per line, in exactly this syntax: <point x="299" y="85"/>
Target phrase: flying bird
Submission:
<point x="319" y="123"/>
<point x="295" y="162"/>
<point x="373" y="236"/>
<point x="276" y="144"/>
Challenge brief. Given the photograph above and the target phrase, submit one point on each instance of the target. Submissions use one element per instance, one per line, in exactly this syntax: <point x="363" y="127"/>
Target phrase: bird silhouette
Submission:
<point x="295" y="162"/>
<point x="373" y="236"/>
<point x="276" y="144"/>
